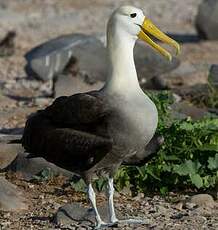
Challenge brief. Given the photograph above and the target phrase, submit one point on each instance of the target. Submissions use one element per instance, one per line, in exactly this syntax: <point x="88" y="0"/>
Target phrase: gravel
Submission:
<point x="46" y="197"/>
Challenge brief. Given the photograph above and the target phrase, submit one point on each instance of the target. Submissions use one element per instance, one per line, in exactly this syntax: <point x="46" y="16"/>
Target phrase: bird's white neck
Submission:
<point x="122" y="76"/>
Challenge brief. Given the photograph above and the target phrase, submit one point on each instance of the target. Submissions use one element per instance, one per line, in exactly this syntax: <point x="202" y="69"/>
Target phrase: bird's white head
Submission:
<point x="129" y="21"/>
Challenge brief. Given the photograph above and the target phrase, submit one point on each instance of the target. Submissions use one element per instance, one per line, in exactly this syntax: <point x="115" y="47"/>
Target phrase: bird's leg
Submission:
<point x="92" y="198"/>
<point x="112" y="215"/>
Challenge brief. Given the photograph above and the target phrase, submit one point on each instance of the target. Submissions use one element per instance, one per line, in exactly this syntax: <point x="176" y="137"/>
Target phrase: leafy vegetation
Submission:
<point x="44" y="175"/>
<point x="187" y="159"/>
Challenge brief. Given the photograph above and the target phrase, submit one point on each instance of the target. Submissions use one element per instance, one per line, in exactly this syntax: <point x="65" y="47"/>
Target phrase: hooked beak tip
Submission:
<point x="149" y="28"/>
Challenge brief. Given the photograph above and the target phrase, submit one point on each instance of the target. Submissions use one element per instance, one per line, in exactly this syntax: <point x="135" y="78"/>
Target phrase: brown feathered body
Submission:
<point x="87" y="133"/>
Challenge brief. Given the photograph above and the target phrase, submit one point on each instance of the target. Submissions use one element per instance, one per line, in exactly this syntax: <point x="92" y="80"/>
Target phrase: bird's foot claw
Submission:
<point x="103" y="225"/>
<point x="132" y="221"/>
<point x="114" y="221"/>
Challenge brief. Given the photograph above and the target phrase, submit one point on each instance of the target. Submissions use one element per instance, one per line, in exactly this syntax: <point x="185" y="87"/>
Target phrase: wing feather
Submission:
<point x="77" y="109"/>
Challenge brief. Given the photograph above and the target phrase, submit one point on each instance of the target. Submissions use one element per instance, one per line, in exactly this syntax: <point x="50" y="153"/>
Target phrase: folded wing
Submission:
<point x="72" y="132"/>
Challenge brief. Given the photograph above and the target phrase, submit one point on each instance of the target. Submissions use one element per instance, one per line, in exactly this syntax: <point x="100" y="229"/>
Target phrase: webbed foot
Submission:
<point x="103" y="225"/>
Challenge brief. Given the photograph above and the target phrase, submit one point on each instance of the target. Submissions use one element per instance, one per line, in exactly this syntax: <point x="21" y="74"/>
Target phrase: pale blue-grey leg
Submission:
<point x="92" y="198"/>
<point x="112" y="215"/>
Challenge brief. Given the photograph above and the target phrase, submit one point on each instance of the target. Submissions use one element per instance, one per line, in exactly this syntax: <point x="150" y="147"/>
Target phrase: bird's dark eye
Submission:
<point x="133" y="15"/>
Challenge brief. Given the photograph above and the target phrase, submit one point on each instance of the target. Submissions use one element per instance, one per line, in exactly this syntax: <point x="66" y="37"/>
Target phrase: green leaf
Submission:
<point x="187" y="126"/>
<point x="100" y="184"/>
<point x="149" y="171"/>
<point x="142" y="171"/>
<point x="187" y="168"/>
<point x="196" y="180"/>
<point x="164" y="190"/>
<point x="122" y="179"/>
<point x="166" y="168"/>
<point x="44" y="175"/>
<point x="209" y="147"/>
<point x="79" y="186"/>
<point x="47" y="173"/>
<point x="213" y="162"/>
<point x="171" y="158"/>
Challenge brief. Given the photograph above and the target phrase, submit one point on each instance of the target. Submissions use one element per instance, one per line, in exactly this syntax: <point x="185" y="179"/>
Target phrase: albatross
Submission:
<point x="92" y="133"/>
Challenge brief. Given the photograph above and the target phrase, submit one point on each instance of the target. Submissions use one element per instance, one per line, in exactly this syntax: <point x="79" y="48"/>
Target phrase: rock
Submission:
<point x="186" y="74"/>
<point x="198" y="93"/>
<point x="67" y="85"/>
<point x="51" y="57"/>
<point x="190" y="205"/>
<point x="7" y="44"/>
<point x="213" y="75"/>
<point x="207" y="19"/>
<point x="159" y="83"/>
<point x="75" y="212"/>
<point x="8" y="152"/>
<point x="29" y="167"/>
<point x="12" y="131"/>
<point x="28" y="83"/>
<point x="178" y="216"/>
<point x="7" y="138"/>
<point x="184" y="109"/>
<point x="42" y="101"/>
<point x="204" y="213"/>
<point x="11" y="198"/>
<point x="203" y="200"/>
<point x="176" y="98"/>
<point x="162" y="210"/>
<point x="179" y="206"/>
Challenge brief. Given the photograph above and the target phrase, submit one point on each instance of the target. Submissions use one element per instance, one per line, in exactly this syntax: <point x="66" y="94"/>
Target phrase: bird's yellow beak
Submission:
<point x="149" y="28"/>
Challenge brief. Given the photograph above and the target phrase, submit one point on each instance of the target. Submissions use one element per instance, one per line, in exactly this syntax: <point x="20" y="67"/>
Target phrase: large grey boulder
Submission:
<point x="29" y="167"/>
<point x="186" y="74"/>
<point x="203" y="200"/>
<point x="207" y="19"/>
<point x="66" y="85"/>
<point x="76" y="213"/>
<point x="11" y="198"/>
<point x="51" y="57"/>
<point x="184" y="109"/>
<point x="8" y="151"/>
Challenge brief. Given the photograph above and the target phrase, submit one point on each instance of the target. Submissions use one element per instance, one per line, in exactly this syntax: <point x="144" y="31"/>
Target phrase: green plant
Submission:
<point x="44" y="175"/>
<point x="188" y="158"/>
